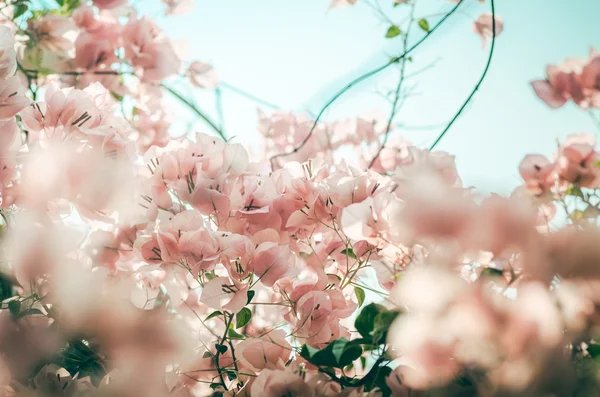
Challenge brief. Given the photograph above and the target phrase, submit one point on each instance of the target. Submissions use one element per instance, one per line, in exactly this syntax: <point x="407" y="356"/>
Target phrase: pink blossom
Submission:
<point x="202" y="75"/>
<point x="12" y="98"/>
<point x="483" y="26"/>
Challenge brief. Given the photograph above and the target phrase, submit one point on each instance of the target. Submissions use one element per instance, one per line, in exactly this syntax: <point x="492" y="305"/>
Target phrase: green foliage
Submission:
<point x="423" y="24"/>
<point x="243" y="317"/>
<point x="393" y="31"/>
<point x="349" y="252"/>
<point x="213" y="315"/>
<point x="250" y="296"/>
<point x="360" y="295"/>
<point x="338" y="354"/>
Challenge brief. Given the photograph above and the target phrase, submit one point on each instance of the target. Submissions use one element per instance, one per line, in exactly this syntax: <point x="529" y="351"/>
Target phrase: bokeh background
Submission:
<point x="294" y="55"/>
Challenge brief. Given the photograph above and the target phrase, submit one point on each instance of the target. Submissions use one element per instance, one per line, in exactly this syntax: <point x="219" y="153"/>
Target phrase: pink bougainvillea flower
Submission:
<point x="107" y="4"/>
<point x="271" y="351"/>
<point x="8" y="62"/>
<point x="55" y="33"/>
<point x="277" y="383"/>
<point x="12" y="97"/>
<point x="538" y="173"/>
<point x="483" y="26"/>
<point x="202" y="75"/>
<point x="178" y="7"/>
<point x="222" y="293"/>
<point x="342" y="3"/>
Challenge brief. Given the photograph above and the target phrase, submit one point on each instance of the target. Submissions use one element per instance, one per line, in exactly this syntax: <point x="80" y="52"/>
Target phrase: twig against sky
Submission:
<point x="362" y="78"/>
<point x="476" y="88"/>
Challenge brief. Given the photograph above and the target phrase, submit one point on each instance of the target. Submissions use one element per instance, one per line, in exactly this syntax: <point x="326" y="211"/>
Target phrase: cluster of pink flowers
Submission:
<point x="577" y="80"/>
<point x="135" y="264"/>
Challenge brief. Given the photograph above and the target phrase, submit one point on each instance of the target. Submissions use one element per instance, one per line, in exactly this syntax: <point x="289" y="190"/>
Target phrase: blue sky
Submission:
<point x="296" y="54"/>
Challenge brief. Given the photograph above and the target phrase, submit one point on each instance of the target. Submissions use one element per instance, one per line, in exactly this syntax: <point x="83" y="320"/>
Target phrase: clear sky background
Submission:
<point x="297" y="54"/>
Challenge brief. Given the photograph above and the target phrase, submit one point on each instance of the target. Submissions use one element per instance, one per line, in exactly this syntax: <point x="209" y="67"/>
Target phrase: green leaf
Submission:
<point x="250" y="296"/>
<point x="393" y="31"/>
<point x="213" y="315"/>
<point x="19" y="10"/>
<point x="365" y="322"/>
<point x="243" y="317"/>
<point x="338" y="354"/>
<point x="231" y="375"/>
<point x="575" y="191"/>
<point x="382" y="324"/>
<point x="423" y="24"/>
<point x="221" y="348"/>
<point x="594" y="350"/>
<point x="490" y="271"/>
<point x="360" y="295"/>
<point x="14" y="307"/>
<point x="233" y="334"/>
<point x="349" y="252"/>
<point x="576" y="215"/>
<point x="207" y="354"/>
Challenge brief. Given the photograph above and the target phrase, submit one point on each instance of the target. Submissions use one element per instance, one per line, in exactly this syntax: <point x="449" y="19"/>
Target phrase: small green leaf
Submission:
<point x="490" y="271"/>
<point x="14" y="307"/>
<point x="423" y="24"/>
<point x="360" y="295"/>
<point x="349" y="252"/>
<point x="207" y="354"/>
<point x="243" y="317"/>
<point x="231" y="375"/>
<point x="233" y="334"/>
<point x="221" y="348"/>
<point x="575" y="191"/>
<point x="250" y="296"/>
<point x="393" y="31"/>
<point x="213" y="315"/>
<point x="576" y="215"/>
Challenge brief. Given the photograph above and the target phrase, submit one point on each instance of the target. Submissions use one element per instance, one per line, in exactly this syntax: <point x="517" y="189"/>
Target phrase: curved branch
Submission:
<point x="362" y="78"/>
<point x="476" y="88"/>
<point x="195" y="109"/>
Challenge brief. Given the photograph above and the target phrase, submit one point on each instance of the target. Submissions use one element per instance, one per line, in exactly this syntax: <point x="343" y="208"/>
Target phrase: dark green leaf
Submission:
<point x="250" y="296"/>
<point x="231" y="375"/>
<point x="338" y="354"/>
<point x="360" y="295"/>
<point x="490" y="271"/>
<point x="19" y="10"/>
<point x="213" y="315"/>
<point x="382" y="324"/>
<point x="349" y="252"/>
<point x="365" y="322"/>
<point x="221" y="348"/>
<point x="392" y="31"/>
<point x="423" y="24"/>
<point x="243" y="317"/>
<point x="14" y="307"/>
<point x="207" y="354"/>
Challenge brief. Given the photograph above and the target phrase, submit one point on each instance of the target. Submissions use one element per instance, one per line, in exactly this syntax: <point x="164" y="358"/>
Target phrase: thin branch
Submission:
<point x="249" y="96"/>
<point x="195" y="109"/>
<point x="219" y="107"/>
<point x="398" y="90"/>
<point x="362" y="78"/>
<point x="476" y="88"/>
